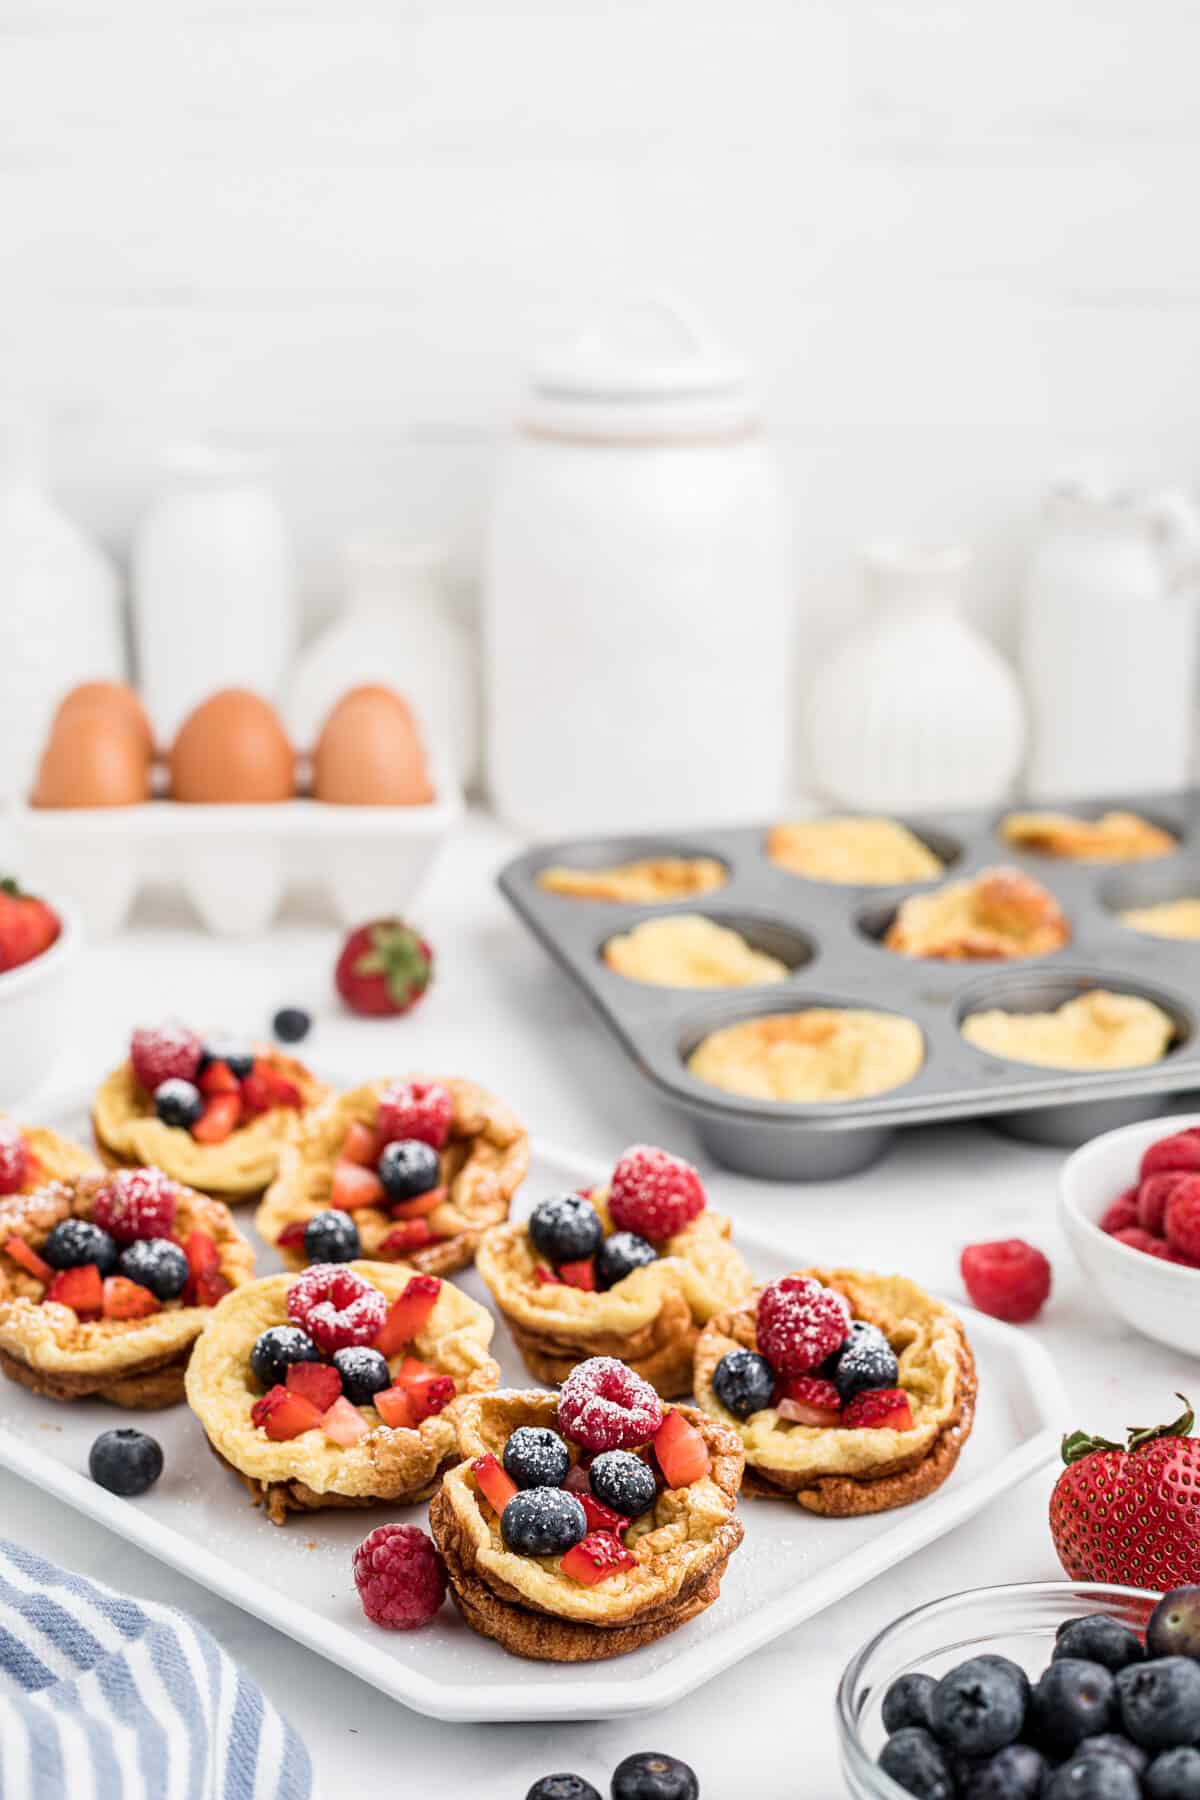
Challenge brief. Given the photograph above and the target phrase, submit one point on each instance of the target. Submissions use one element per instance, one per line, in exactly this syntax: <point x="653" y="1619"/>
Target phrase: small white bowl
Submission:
<point x="1159" y="1299"/>
<point x="34" y="1004"/>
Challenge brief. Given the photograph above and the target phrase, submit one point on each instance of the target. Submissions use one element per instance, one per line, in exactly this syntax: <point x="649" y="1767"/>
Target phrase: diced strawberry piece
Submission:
<point x="207" y="1289"/>
<point x="286" y="1093"/>
<point x="420" y="1206"/>
<point x="318" y="1382"/>
<point x="265" y="1087"/>
<point x="395" y="1408"/>
<point x="124" y="1299"/>
<point x="409" y="1314"/>
<point x="284" y="1414"/>
<point x="81" y="1289"/>
<point x="596" y="1556"/>
<point x="218" y="1078"/>
<point x="292" y="1236"/>
<point x="27" y="1256"/>
<point x="202" y="1254"/>
<point x="600" y="1517"/>
<point x="681" y="1451"/>
<point x="493" y="1483"/>
<point x="807" y="1400"/>
<point x="579" y="1275"/>
<point x="257" y="1095"/>
<point x="546" y="1277"/>
<point x="878" y="1409"/>
<point x="354" y="1186"/>
<point x="219" y="1118"/>
<point x="343" y="1423"/>
<point x="429" y="1392"/>
<point x="414" y="1234"/>
<point x="361" y="1146"/>
<point x="15" y="1160"/>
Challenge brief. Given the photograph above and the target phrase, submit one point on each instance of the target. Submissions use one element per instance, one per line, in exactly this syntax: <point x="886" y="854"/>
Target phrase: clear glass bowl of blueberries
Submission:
<point x="1050" y="1690"/>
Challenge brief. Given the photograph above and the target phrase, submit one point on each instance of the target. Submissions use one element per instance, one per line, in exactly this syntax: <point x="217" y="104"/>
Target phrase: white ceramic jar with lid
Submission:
<point x="637" y="591"/>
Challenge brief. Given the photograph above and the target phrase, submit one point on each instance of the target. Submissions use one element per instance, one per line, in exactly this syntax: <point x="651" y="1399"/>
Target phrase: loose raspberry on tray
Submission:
<point x="605" y="1406"/>
<point x="400" y="1577"/>
<point x="1009" y="1279"/>
<point x="14" y="1158"/>
<point x="164" y="1053"/>
<point x="799" y="1323"/>
<point x="654" y="1194"/>
<point x="135" y="1203"/>
<point x="420" y="1110"/>
<point x="336" y="1306"/>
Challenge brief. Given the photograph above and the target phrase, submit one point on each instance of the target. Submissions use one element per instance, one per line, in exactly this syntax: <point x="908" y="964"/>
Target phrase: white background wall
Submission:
<point x="960" y="239"/>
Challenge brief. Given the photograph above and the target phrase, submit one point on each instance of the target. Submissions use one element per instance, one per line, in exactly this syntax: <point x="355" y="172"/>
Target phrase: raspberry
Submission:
<point x="336" y="1307"/>
<point x="1179" y="1151"/>
<point x="800" y="1323"/>
<point x="1010" y="1279"/>
<point x="400" y="1577"/>
<point x="415" y="1109"/>
<point x="1152" y="1196"/>
<point x="14" y="1158"/>
<point x="1134" y="1238"/>
<point x="654" y="1194"/>
<point x="135" y="1203"/>
<point x="605" y="1406"/>
<point x="1182" y="1219"/>
<point x="164" y="1053"/>
<point x="1121" y="1212"/>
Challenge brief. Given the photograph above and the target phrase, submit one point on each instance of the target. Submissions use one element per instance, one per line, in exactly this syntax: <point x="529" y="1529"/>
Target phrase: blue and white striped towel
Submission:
<point x="107" y="1698"/>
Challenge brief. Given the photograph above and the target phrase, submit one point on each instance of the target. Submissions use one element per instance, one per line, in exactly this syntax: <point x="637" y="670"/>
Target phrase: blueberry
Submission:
<point x="178" y="1102"/>
<point x="1014" y="1773"/>
<point x="536" y="1457"/>
<point x="125" y="1462"/>
<point x="237" y="1056"/>
<point x="867" y="1361"/>
<point x="157" y="1264"/>
<point x="1094" y="1775"/>
<point x="277" y="1349"/>
<point x="562" y="1787"/>
<point x="918" y="1763"/>
<point x="1160" y="1702"/>
<point x="74" y="1242"/>
<point x="1174" y="1625"/>
<point x="977" y="1708"/>
<point x="623" y="1481"/>
<point x="331" y="1237"/>
<point x="653" y="1776"/>
<point x="1112" y="1741"/>
<point x="408" y="1168"/>
<point x="1015" y="1670"/>
<point x="858" y="1332"/>
<point x="291" y="1024"/>
<point x="619" y="1255"/>
<point x="364" y="1373"/>
<point x="744" y="1382"/>
<point x="543" y="1521"/>
<point x="1073" y="1700"/>
<point x="907" y="1702"/>
<point x="1173" y="1775"/>
<point x="566" y="1229"/>
<point x="1099" y="1638"/>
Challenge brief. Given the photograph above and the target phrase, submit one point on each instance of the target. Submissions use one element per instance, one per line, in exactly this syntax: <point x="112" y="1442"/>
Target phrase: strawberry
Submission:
<point x="408" y="1315"/>
<point x="264" y="1088"/>
<point x="20" y="1252"/>
<point x="292" y="1236"/>
<point x="164" y="1053"/>
<point x="207" y="1289"/>
<point x="546" y="1277"/>
<point x="284" y="1414"/>
<point x="395" y="1408"/>
<point x="414" y="1234"/>
<point x="218" y="1078"/>
<point x="600" y="1517"/>
<point x="318" y="1382"/>
<point x="202" y="1254"/>
<point x="420" y="1206"/>
<point x="219" y="1118"/>
<point x="807" y="1400"/>
<point x="80" y="1288"/>
<point x="1130" y="1515"/>
<point x="125" y="1299"/>
<point x="595" y="1557"/>
<point x="496" y="1487"/>
<point x="878" y="1409"/>
<point x="384" y="968"/>
<point x="27" y="926"/>
<point x="681" y="1451"/>
<point x="354" y="1186"/>
<point x="428" y="1391"/>
<point x="361" y="1146"/>
<point x="343" y="1423"/>
<point x="15" y="1160"/>
<point x="1179" y="1151"/>
<point x="579" y="1275"/>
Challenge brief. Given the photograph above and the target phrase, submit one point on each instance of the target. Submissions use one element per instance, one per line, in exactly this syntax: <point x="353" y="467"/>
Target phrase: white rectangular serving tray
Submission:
<point x="297" y="1577"/>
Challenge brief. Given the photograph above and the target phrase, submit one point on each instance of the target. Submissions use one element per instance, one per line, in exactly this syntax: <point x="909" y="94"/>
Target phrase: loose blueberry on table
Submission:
<point x="210" y="1088"/>
<point x="648" y="1775"/>
<point x="126" y="1462"/>
<point x="393" y="1165"/>
<point x="652" y="1196"/>
<point x="291" y="1024"/>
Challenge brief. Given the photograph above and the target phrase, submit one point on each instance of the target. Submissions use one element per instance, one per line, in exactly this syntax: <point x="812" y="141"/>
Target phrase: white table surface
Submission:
<point x="500" y="1012"/>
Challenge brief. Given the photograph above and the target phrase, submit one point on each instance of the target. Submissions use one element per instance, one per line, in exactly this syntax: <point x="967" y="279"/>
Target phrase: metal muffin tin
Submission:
<point x="829" y="934"/>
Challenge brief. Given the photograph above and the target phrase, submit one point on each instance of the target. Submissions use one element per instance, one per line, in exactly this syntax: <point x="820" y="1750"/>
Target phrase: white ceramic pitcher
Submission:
<point x="1108" y="642"/>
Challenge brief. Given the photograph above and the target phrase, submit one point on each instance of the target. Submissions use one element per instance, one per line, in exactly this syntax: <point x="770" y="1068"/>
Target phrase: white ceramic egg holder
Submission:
<point x="235" y="862"/>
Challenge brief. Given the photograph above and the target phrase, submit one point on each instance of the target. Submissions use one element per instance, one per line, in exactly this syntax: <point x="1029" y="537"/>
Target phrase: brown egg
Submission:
<point x="110" y="700"/>
<point x="369" y="752"/>
<point x="232" y="751"/>
<point x="93" y="759"/>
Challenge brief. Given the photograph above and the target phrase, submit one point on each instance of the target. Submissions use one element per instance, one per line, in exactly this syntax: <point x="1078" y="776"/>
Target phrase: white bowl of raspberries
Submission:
<point x="38" y="946"/>
<point x="1129" y="1203"/>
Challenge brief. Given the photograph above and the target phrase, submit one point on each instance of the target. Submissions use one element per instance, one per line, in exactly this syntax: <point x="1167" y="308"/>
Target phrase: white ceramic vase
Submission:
<point x="917" y="709"/>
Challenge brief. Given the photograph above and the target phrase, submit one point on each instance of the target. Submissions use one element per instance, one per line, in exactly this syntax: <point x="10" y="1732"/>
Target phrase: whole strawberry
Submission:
<point x="384" y="968"/>
<point x="27" y="926"/>
<point x="1130" y="1515"/>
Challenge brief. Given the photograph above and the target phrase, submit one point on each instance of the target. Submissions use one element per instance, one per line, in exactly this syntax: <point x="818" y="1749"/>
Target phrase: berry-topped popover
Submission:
<point x="585" y="1524"/>
<point x="850" y="1392"/>
<point x="32" y="1155"/>
<point x="630" y="1270"/>
<point x="210" y="1113"/>
<point x="106" y="1282"/>
<point x="340" y="1387"/>
<point x="409" y="1168"/>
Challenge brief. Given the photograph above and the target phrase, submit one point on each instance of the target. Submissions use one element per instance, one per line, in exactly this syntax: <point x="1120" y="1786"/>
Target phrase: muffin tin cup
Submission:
<point x="830" y="934"/>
